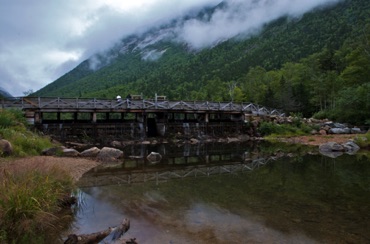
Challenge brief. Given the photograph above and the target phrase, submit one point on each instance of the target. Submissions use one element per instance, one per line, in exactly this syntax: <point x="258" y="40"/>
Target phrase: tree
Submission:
<point x="27" y="93"/>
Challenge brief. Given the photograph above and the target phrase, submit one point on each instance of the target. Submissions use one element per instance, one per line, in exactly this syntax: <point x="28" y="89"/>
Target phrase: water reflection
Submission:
<point x="301" y="199"/>
<point x="161" y="163"/>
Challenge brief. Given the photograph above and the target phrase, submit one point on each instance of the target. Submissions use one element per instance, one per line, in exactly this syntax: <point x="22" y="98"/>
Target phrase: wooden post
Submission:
<point x="145" y="126"/>
<point x="93" y="116"/>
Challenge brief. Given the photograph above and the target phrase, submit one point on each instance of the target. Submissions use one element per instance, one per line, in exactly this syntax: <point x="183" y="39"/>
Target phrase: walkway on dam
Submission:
<point x="86" y="105"/>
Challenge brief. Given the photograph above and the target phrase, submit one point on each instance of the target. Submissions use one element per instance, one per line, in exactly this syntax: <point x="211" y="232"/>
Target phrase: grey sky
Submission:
<point x="42" y="40"/>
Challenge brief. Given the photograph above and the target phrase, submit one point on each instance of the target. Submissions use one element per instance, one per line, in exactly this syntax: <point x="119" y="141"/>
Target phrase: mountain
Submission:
<point x="283" y="64"/>
<point x="4" y="93"/>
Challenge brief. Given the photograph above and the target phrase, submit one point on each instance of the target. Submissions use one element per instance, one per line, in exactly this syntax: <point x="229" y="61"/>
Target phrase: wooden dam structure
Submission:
<point x="135" y="118"/>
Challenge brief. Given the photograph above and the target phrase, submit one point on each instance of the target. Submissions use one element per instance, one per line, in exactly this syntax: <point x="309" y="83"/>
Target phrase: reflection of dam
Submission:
<point x="138" y="169"/>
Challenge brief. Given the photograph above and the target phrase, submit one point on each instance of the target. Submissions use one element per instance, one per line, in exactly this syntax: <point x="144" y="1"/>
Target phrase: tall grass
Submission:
<point x="30" y="189"/>
<point x="29" y="202"/>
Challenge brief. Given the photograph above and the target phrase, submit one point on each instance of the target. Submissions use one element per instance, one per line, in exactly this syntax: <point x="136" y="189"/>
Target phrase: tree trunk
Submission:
<point x="107" y="236"/>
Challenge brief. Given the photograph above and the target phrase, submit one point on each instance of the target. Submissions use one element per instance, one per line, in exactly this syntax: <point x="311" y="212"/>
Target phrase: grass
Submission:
<point x="271" y="129"/>
<point x="363" y="141"/>
<point x="30" y="190"/>
<point x="29" y="201"/>
<point x="14" y="128"/>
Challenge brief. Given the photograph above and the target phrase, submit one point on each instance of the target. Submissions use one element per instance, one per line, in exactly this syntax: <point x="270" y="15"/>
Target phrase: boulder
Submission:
<point x="52" y="151"/>
<point x="331" y="147"/>
<point x="339" y="125"/>
<point x="326" y="128"/>
<point x="351" y="147"/>
<point x="108" y="154"/>
<point x="329" y="124"/>
<point x="70" y="152"/>
<point x="339" y="131"/>
<point x="154" y="157"/>
<point x="91" y="152"/>
<point x="6" y="147"/>
<point x="194" y="141"/>
<point x="356" y="130"/>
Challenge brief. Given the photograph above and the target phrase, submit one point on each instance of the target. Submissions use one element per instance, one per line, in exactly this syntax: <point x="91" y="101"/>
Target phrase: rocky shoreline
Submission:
<point x="76" y="161"/>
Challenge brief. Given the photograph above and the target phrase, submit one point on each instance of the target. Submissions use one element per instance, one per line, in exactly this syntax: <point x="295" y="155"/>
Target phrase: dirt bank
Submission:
<point x="76" y="167"/>
<point x="317" y="140"/>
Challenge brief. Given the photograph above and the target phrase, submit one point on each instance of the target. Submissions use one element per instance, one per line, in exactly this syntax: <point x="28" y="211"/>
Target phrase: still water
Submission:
<point x="229" y="193"/>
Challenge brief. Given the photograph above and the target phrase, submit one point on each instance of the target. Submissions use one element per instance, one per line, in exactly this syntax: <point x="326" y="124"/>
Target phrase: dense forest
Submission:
<point x="316" y="65"/>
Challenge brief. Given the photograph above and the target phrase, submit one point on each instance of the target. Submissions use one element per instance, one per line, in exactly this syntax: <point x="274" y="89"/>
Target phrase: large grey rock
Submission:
<point x="108" y="154"/>
<point x="154" y="157"/>
<point x="329" y="124"/>
<point x="356" y="130"/>
<point x="70" y="152"/>
<point x="339" y="131"/>
<point x="351" y="147"/>
<point x="6" y="147"/>
<point x="331" y="147"/>
<point x="339" y="125"/>
<point x="91" y="152"/>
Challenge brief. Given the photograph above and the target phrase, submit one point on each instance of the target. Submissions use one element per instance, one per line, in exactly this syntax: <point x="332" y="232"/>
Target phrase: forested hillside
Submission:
<point x="316" y="64"/>
<point x="4" y="94"/>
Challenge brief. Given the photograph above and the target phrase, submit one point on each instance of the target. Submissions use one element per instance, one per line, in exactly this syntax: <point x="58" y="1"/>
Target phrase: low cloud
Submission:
<point x="40" y="41"/>
<point x="242" y="17"/>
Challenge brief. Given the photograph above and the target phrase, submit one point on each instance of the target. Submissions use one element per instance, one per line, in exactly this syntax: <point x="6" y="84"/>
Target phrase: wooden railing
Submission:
<point x="45" y="104"/>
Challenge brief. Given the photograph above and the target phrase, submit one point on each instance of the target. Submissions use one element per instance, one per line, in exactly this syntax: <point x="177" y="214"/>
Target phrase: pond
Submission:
<point x="229" y="193"/>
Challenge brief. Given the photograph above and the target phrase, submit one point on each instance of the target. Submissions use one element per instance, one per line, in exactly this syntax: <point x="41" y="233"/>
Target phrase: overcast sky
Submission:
<point x="42" y="40"/>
